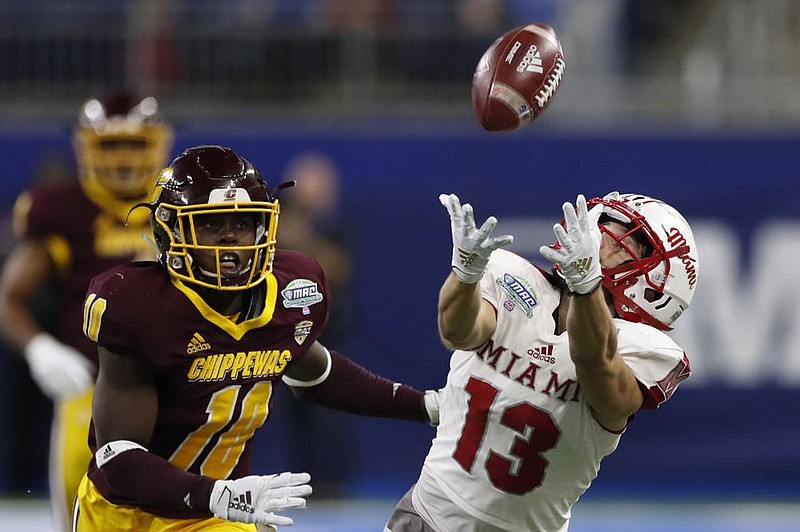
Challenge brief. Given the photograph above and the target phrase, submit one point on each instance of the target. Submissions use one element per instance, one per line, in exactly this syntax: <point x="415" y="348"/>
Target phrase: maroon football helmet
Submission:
<point x="212" y="180"/>
<point x="121" y="142"/>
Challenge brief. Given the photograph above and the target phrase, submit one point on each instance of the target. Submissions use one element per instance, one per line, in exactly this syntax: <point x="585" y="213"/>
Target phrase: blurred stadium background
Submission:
<point x="693" y="101"/>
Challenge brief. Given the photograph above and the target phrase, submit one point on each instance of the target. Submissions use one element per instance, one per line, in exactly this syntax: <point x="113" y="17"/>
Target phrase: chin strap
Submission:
<point x="256" y="301"/>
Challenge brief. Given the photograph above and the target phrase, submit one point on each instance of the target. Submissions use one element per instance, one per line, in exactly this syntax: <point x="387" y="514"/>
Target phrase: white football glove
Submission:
<point x="59" y="370"/>
<point x="472" y="247"/>
<point x="579" y="254"/>
<point x="432" y="406"/>
<point x="253" y="499"/>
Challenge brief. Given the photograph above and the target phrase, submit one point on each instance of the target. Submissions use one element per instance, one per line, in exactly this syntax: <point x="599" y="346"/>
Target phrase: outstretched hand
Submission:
<point x="472" y="247"/>
<point x="578" y="252"/>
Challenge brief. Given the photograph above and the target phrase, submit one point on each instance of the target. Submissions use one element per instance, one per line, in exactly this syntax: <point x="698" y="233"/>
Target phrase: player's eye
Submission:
<point x="635" y="246"/>
<point x="208" y="223"/>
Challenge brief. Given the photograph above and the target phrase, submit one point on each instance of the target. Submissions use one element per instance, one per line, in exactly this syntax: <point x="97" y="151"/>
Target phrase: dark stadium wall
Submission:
<point x="717" y="435"/>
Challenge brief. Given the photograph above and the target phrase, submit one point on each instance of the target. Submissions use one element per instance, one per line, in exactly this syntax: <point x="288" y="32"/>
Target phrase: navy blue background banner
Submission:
<point x="715" y="437"/>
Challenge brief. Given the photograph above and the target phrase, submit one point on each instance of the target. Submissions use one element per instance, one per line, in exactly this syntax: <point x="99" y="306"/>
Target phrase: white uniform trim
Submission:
<point x="112" y="449"/>
<point x="294" y="383"/>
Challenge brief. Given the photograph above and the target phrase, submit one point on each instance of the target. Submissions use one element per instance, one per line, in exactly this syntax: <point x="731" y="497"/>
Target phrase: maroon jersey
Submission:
<point x="83" y="240"/>
<point x="214" y="377"/>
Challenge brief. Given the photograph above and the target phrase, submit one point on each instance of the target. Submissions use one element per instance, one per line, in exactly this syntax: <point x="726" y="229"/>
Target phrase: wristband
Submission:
<point x="112" y="449"/>
<point x="590" y="292"/>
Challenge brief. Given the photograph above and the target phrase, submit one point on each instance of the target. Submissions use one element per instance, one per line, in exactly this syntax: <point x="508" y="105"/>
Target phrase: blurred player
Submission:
<point x="549" y="369"/>
<point x="66" y="233"/>
<point x="314" y="223"/>
<point x="191" y="348"/>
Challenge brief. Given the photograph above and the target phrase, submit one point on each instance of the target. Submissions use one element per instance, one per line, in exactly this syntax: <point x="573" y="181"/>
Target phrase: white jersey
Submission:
<point x="517" y="445"/>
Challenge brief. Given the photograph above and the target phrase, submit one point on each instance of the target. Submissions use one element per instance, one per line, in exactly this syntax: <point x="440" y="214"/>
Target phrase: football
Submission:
<point x="517" y="77"/>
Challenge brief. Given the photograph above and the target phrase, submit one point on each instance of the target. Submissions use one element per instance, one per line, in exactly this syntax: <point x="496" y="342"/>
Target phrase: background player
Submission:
<point x="548" y="372"/>
<point x="66" y="233"/>
<point x="190" y="349"/>
<point x="314" y="222"/>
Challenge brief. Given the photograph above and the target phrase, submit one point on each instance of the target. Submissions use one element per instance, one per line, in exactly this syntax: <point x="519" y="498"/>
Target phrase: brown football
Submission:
<point x="517" y="77"/>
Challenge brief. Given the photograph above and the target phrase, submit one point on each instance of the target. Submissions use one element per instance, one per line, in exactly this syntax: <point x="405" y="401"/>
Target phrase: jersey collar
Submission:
<point x="236" y="330"/>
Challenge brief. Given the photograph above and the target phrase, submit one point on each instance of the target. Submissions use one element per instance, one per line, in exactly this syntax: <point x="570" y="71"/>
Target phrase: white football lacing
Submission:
<point x="553" y="81"/>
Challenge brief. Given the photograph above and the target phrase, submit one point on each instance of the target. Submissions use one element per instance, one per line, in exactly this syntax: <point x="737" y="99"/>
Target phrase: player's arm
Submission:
<point x="329" y="379"/>
<point x="607" y="382"/>
<point x="59" y="370"/>
<point x="465" y="319"/>
<point x="26" y="270"/>
<point x="125" y="400"/>
<point x="124" y="410"/>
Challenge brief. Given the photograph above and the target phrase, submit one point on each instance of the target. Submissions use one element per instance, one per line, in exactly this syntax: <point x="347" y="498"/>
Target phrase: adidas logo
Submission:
<point x="532" y="62"/>
<point x="197" y="344"/>
<point x="243" y="503"/>
<point x="465" y="257"/>
<point x="108" y="452"/>
<point x="582" y="265"/>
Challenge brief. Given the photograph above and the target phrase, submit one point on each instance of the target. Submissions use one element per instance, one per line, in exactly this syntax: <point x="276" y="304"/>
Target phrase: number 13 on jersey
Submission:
<point x="537" y="433"/>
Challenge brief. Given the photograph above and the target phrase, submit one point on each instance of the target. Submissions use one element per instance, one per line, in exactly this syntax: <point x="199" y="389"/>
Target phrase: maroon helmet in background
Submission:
<point x="212" y="180"/>
<point x="121" y="143"/>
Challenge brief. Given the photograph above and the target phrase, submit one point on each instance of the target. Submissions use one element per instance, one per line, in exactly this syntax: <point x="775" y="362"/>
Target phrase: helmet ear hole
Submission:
<point x="651" y="295"/>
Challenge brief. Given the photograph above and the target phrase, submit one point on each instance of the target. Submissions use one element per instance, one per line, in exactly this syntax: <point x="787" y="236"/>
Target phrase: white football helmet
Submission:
<point x="658" y="287"/>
